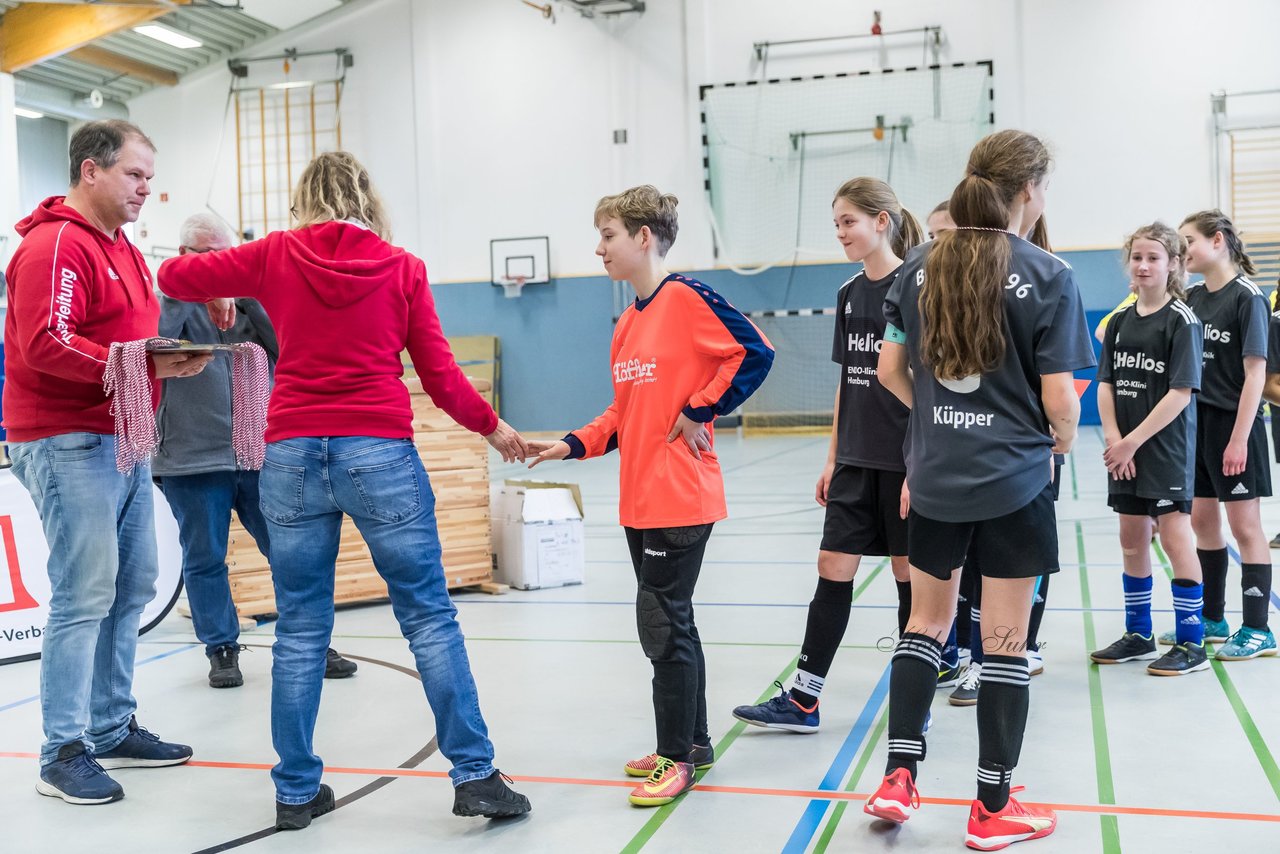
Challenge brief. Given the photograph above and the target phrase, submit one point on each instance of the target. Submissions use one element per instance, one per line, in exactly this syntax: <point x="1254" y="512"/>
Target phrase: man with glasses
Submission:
<point x="196" y="468"/>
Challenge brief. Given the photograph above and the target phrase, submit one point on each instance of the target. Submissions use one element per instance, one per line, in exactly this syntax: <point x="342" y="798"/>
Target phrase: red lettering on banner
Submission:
<point x="22" y="600"/>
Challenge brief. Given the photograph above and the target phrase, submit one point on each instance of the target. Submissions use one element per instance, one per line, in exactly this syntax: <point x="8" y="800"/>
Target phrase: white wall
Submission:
<point x="481" y="120"/>
<point x="10" y="208"/>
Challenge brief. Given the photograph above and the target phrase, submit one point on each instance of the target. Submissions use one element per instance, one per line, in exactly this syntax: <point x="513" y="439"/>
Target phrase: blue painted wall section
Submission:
<point x="555" y="337"/>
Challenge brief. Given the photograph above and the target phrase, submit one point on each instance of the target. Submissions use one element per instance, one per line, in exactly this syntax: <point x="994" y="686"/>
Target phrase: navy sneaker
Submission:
<point x="298" y="816"/>
<point x="76" y="778"/>
<point x="781" y="712"/>
<point x="143" y="749"/>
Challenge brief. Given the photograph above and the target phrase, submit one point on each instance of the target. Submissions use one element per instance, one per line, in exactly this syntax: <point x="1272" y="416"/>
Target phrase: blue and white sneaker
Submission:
<point x="76" y="778"/>
<point x="781" y="712"/>
<point x="1247" y="643"/>
<point x="928" y="723"/>
<point x="949" y="677"/>
<point x="143" y="749"/>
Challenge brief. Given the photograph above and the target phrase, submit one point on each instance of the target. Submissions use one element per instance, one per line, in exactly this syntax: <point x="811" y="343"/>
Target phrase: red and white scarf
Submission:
<point x="127" y="381"/>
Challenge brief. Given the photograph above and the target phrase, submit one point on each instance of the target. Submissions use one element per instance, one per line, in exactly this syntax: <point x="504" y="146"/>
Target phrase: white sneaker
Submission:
<point x="1035" y="661"/>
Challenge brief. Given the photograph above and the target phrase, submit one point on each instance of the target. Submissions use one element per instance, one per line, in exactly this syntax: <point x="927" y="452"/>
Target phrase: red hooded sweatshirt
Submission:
<point x="345" y="304"/>
<point x="72" y="292"/>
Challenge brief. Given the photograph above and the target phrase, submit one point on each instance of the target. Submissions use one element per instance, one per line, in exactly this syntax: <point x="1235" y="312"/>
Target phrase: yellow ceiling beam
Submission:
<point x="34" y="32"/>
<point x="111" y="61"/>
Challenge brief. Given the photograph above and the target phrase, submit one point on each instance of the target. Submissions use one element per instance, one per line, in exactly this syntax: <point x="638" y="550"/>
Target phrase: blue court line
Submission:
<point x="808" y="824"/>
<point x="1235" y="555"/>
<point x="136" y="665"/>
<point x="486" y="599"/>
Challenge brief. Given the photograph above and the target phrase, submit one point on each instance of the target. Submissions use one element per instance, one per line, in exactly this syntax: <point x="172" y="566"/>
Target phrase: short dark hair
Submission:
<point x="101" y="142"/>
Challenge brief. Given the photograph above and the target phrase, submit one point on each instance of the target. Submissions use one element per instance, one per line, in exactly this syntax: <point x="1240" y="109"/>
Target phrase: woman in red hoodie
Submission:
<point x="345" y="304"/>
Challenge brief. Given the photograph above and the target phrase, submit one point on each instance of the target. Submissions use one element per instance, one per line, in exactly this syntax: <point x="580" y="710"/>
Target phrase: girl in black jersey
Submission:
<point x="983" y="331"/>
<point x="1151" y="365"/>
<point x="1232" y="466"/>
<point x="862" y="485"/>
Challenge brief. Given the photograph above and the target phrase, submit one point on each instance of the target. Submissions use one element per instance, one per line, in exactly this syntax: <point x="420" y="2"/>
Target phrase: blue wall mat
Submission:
<point x="555" y="337"/>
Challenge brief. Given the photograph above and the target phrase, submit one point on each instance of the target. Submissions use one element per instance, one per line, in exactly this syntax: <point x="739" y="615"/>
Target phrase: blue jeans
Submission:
<point x="306" y="486"/>
<point x="202" y="504"/>
<point x="102" y="572"/>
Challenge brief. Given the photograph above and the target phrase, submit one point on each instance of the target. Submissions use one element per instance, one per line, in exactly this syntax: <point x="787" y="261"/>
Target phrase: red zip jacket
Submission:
<point x="684" y="349"/>
<point x="73" y="291"/>
<point x="345" y="304"/>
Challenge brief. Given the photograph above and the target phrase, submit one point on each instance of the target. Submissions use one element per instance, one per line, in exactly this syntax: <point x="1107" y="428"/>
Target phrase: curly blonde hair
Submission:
<point x="336" y="186"/>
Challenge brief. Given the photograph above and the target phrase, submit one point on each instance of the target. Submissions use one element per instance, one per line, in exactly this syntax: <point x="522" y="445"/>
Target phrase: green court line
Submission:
<point x="838" y="811"/>
<point x="664" y="812"/>
<point x="1251" y="732"/>
<point x="1101" y="748"/>
<point x="722" y="747"/>
<point x="1075" y="487"/>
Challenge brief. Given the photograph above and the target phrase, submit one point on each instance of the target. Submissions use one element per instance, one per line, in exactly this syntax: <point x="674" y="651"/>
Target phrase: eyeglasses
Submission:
<point x="197" y="250"/>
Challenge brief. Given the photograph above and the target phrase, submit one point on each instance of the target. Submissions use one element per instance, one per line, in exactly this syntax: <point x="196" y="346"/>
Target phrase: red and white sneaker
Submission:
<point x="991" y="831"/>
<point x="895" y="798"/>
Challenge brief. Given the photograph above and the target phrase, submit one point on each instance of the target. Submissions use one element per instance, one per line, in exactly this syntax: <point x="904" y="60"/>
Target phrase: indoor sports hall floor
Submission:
<point x="1132" y="763"/>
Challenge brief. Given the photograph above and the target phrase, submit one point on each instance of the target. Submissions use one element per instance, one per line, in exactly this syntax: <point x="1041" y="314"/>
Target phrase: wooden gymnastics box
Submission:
<point x="538" y="534"/>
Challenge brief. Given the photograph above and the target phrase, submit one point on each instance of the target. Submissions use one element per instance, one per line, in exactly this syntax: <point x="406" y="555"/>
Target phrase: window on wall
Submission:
<point x="1255" y="196"/>
<point x="279" y="129"/>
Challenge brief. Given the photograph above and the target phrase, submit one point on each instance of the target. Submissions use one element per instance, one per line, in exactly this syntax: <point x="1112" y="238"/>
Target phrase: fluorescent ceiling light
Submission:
<point x="168" y="36"/>
<point x="291" y="84"/>
<point x="27" y="114"/>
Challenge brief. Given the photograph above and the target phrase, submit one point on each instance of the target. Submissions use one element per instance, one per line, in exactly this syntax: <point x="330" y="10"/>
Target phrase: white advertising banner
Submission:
<point x="24" y="584"/>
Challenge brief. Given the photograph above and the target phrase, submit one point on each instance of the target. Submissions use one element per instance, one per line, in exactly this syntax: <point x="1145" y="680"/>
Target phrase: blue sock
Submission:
<point x="975" y="635"/>
<point x="1137" y="604"/>
<point x="950" y="651"/>
<point x="1188" y="602"/>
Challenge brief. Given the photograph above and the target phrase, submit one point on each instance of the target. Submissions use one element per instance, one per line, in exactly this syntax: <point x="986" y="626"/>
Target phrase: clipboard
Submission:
<point x="188" y="347"/>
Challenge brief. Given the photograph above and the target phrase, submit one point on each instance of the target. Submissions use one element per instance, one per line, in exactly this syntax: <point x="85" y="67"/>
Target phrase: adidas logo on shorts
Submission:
<point x="1240" y="489"/>
<point x="1253" y="591"/>
<point x="1164" y="502"/>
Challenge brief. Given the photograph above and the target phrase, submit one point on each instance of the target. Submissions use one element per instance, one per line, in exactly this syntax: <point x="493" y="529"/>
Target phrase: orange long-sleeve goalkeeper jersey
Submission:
<point x="684" y="349"/>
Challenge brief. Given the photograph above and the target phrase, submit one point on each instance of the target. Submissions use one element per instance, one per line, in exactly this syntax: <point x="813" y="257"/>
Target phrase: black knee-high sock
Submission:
<point x="1003" y="697"/>
<point x="1213" y="566"/>
<point x="1255" y="584"/>
<point x="912" y="682"/>
<point x="904" y="605"/>
<point x="828" y="618"/>
<point x="1037" y="613"/>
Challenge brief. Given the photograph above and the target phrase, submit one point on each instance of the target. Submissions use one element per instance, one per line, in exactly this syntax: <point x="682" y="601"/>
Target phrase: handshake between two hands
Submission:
<point x="513" y="447"/>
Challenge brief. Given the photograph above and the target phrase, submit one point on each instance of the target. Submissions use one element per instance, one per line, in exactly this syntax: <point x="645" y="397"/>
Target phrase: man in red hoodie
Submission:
<point x="76" y="285"/>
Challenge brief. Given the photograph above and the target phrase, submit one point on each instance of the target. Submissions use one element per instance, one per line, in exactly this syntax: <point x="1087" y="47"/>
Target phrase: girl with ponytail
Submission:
<point x="1231" y="445"/>
<point x="984" y="330"/>
<point x="861" y="485"/>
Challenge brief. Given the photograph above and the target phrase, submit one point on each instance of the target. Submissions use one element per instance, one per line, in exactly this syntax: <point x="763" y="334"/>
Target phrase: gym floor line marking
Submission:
<point x="1097" y="713"/>
<point x="1251" y="732"/>
<point x="652" y="826"/>
<point x="838" y="813"/>
<point x="810" y="794"/>
<point x="24" y="701"/>
<point x="816" y="811"/>
<point x="630" y="603"/>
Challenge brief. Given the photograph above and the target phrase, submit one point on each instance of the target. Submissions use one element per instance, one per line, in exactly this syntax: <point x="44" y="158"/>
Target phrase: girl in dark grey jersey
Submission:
<point x="861" y="486"/>
<point x="1232" y="465"/>
<point x="1151" y="364"/>
<point x="984" y="331"/>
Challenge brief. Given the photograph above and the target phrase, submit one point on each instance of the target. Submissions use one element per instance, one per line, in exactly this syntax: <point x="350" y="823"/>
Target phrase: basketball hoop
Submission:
<point x="511" y="287"/>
